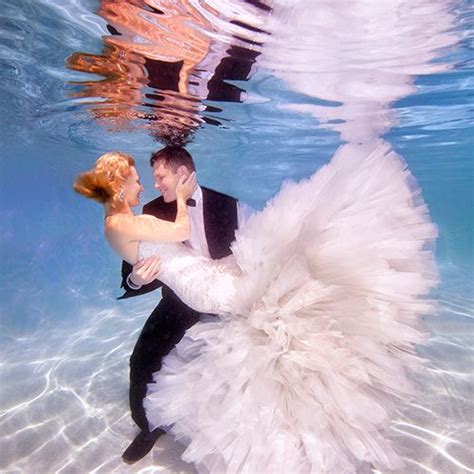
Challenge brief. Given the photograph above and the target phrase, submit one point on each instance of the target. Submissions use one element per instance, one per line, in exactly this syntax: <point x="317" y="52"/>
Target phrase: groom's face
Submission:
<point x="166" y="179"/>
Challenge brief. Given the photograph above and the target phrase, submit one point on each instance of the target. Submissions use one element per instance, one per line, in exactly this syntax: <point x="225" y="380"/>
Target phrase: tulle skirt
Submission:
<point x="302" y="376"/>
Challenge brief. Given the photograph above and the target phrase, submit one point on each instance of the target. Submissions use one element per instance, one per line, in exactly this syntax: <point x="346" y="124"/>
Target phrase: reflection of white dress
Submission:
<point x="319" y="314"/>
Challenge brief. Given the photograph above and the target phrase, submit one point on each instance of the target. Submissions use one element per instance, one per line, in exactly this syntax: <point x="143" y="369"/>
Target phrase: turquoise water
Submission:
<point x="403" y="70"/>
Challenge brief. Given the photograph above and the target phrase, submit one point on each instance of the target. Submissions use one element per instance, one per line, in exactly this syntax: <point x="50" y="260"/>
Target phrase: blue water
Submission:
<point x="65" y="339"/>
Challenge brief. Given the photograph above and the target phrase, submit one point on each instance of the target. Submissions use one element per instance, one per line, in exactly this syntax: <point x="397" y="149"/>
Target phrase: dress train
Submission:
<point x="301" y="375"/>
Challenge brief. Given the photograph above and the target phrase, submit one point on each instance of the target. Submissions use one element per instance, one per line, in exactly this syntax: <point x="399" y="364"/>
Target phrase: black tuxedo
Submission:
<point x="169" y="320"/>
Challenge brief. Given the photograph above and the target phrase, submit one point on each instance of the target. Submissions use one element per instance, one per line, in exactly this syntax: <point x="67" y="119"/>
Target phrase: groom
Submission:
<point x="214" y="217"/>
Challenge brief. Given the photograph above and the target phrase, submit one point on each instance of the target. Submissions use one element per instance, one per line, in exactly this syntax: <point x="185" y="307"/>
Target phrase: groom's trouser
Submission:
<point x="162" y="331"/>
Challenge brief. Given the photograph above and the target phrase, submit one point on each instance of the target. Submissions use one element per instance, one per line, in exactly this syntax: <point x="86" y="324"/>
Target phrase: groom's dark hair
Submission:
<point x="174" y="157"/>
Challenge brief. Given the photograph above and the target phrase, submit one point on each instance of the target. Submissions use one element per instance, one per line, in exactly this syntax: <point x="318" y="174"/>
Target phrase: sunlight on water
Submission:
<point x="65" y="407"/>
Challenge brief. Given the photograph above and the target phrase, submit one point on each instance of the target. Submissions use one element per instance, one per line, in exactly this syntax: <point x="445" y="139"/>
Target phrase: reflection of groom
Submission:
<point x="214" y="218"/>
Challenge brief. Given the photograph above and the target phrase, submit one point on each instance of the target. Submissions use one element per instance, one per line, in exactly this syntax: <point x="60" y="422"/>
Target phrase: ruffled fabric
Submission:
<point x="302" y="375"/>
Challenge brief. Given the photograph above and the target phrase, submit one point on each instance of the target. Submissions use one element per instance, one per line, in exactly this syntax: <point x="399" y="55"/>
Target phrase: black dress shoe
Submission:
<point x="141" y="445"/>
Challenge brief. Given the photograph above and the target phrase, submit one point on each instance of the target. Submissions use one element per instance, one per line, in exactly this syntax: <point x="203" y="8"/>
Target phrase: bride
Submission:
<point x="319" y="313"/>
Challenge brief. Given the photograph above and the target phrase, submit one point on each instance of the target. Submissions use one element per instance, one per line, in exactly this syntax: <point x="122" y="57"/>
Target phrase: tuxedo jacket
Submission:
<point x="220" y="223"/>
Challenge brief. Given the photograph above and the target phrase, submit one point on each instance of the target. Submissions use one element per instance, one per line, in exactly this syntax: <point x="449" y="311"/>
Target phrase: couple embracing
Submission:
<point x="317" y="301"/>
<point x="213" y="219"/>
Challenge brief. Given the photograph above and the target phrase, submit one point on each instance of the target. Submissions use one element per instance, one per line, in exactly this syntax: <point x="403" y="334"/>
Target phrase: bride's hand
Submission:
<point x="186" y="186"/>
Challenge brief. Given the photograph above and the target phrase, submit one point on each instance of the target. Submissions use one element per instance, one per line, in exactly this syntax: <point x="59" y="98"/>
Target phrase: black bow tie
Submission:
<point x="191" y="202"/>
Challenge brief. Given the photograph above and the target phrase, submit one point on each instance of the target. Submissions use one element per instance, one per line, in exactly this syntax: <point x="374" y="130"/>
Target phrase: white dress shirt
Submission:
<point x="197" y="240"/>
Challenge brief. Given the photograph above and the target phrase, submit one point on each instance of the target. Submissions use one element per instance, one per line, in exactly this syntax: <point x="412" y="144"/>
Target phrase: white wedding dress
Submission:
<point x="319" y="308"/>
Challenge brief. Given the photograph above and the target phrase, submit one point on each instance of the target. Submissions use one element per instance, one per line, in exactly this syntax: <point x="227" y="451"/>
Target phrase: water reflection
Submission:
<point x="161" y="61"/>
<point x="352" y="61"/>
<point x="167" y="65"/>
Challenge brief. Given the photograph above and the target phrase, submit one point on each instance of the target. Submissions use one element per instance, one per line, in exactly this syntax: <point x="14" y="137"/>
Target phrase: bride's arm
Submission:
<point x="151" y="228"/>
<point x="135" y="228"/>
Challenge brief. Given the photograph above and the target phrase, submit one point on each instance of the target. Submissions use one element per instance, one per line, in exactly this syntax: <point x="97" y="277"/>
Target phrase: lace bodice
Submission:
<point x="206" y="285"/>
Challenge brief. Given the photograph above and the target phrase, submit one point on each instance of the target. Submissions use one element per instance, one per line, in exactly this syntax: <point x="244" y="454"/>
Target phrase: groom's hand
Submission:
<point x="145" y="271"/>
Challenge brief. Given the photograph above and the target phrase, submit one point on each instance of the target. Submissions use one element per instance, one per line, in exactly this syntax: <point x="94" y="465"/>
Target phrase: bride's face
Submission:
<point x="133" y="188"/>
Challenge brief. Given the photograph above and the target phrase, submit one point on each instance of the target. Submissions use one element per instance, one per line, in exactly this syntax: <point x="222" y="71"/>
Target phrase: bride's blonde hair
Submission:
<point x="103" y="182"/>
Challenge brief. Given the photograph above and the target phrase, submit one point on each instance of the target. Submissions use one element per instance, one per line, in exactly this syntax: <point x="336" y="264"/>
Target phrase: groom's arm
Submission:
<point x="135" y="290"/>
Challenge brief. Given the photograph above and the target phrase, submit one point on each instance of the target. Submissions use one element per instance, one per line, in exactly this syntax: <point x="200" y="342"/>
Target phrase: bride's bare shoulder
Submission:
<point x="118" y="223"/>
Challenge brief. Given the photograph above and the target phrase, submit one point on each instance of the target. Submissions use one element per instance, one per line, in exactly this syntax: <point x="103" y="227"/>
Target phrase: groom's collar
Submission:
<point x="197" y="195"/>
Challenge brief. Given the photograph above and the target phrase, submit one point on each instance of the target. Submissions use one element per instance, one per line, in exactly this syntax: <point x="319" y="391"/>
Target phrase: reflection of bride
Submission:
<point x="319" y="314"/>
